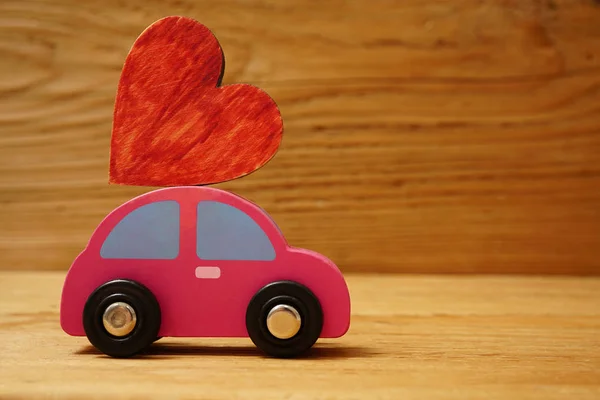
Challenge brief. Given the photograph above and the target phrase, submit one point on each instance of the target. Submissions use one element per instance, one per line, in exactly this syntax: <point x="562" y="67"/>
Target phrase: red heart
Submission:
<point x="173" y="123"/>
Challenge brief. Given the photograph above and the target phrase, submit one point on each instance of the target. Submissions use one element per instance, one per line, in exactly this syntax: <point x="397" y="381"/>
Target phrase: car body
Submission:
<point x="203" y="253"/>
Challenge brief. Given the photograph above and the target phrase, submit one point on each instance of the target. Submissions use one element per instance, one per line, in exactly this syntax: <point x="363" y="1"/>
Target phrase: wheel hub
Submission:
<point x="119" y="319"/>
<point x="283" y="321"/>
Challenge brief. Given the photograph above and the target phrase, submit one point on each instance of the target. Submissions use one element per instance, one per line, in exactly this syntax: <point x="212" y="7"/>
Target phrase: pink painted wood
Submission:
<point x="193" y="307"/>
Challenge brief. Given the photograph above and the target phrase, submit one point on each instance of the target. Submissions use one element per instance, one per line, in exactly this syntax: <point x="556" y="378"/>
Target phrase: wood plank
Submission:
<point x="411" y="337"/>
<point x="439" y="137"/>
<point x="268" y="40"/>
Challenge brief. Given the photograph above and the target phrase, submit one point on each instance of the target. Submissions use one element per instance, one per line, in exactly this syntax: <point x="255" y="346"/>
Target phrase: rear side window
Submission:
<point x="226" y="233"/>
<point x="150" y="232"/>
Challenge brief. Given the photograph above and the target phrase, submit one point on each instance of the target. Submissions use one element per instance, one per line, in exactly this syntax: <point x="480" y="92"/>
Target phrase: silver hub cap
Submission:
<point x="283" y="321"/>
<point x="119" y="319"/>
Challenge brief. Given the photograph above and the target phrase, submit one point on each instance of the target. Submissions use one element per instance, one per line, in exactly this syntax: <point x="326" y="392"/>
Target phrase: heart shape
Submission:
<point x="173" y="122"/>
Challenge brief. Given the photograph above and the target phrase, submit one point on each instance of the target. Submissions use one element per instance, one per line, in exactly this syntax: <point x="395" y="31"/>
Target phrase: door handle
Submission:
<point x="209" y="272"/>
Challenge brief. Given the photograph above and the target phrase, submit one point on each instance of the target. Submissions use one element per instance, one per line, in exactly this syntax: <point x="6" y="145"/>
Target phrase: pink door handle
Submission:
<point x="208" y="272"/>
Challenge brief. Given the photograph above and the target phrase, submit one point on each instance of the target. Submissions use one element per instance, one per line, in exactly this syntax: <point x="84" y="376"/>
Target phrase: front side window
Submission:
<point x="226" y="233"/>
<point x="150" y="232"/>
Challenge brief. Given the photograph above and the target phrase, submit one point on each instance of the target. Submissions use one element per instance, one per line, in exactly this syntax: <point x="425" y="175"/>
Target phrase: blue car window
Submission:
<point x="226" y="233"/>
<point x="150" y="232"/>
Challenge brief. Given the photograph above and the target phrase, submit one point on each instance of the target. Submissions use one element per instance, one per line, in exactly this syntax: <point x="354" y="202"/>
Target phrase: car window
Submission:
<point x="148" y="232"/>
<point x="226" y="233"/>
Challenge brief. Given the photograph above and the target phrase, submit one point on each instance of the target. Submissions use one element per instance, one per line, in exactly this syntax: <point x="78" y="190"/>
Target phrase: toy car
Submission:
<point x="200" y="262"/>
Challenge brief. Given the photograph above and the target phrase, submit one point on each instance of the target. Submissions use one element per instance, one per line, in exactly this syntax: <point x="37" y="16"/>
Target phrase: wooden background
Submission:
<point x="420" y="136"/>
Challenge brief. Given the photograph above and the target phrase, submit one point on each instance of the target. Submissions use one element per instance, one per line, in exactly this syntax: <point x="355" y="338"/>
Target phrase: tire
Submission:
<point x="291" y="294"/>
<point x="147" y="311"/>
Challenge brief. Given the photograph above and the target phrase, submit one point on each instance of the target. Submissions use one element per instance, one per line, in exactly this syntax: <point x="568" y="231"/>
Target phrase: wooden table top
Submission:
<point x="426" y="337"/>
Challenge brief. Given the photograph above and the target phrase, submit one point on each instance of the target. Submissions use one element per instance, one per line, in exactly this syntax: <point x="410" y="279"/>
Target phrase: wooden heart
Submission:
<point x="173" y="122"/>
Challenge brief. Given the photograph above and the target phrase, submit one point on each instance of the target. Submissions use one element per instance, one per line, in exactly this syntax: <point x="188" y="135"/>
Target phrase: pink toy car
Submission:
<point x="200" y="262"/>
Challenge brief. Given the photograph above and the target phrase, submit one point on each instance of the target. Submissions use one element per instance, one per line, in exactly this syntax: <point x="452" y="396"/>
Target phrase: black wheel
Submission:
<point x="121" y="318"/>
<point x="284" y="319"/>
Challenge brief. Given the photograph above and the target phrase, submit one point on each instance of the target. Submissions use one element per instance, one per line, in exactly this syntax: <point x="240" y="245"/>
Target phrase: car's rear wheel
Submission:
<point x="121" y="318"/>
<point x="284" y="319"/>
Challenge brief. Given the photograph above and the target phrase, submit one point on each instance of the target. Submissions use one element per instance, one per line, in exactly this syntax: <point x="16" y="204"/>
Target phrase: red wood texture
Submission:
<point x="174" y="125"/>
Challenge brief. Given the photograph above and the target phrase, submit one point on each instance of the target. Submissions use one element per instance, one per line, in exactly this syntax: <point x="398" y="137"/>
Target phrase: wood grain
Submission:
<point x="173" y="125"/>
<point x="411" y="338"/>
<point x="442" y="136"/>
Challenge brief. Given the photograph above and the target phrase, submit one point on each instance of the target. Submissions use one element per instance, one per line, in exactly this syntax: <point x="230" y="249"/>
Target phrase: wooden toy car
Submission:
<point x="200" y="262"/>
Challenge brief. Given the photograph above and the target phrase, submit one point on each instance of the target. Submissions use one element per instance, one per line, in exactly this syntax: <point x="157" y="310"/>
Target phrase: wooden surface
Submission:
<point x="410" y="338"/>
<point x="436" y="136"/>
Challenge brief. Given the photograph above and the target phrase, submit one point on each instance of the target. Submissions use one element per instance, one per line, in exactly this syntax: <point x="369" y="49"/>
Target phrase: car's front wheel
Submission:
<point x="121" y="318"/>
<point x="284" y="319"/>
